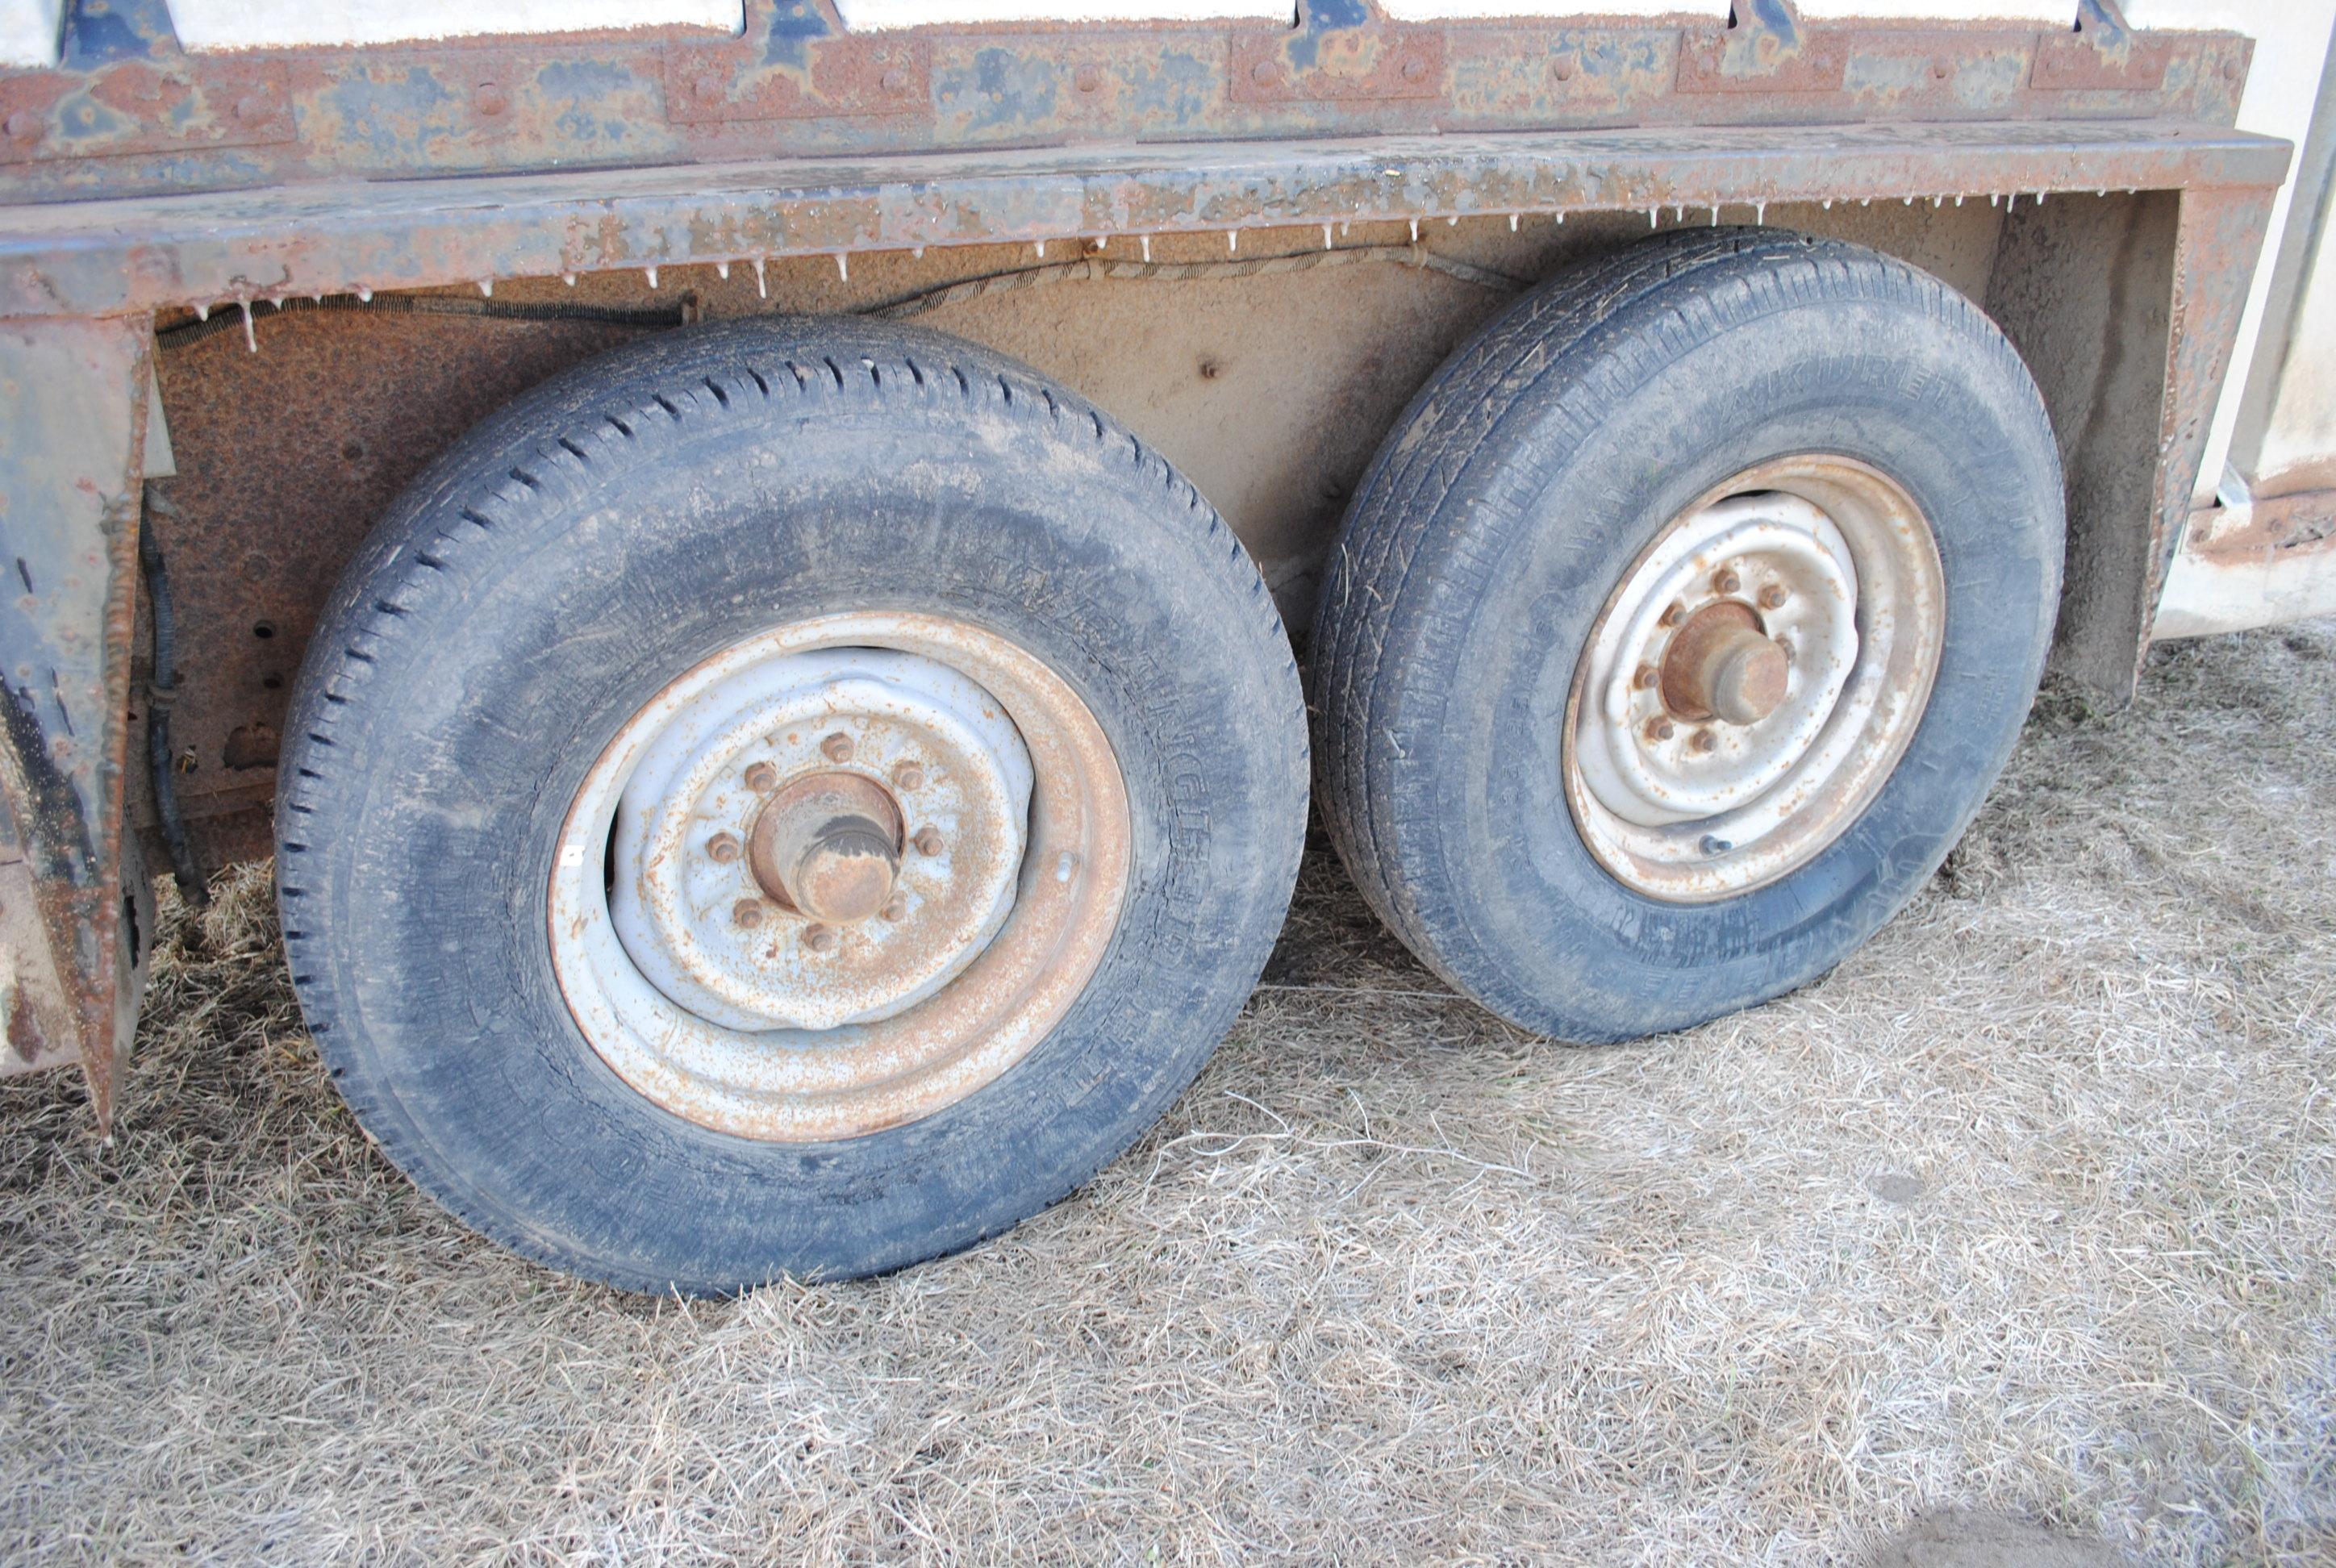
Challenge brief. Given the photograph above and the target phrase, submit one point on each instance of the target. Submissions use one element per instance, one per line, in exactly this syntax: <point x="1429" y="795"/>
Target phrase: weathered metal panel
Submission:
<point x="2259" y="563"/>
<point x="107" y="257"/>
<point x="70" y="450"/>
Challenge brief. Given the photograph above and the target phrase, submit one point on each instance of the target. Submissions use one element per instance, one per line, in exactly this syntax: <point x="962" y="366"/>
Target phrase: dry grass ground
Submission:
<point x="2030" y="1207"/>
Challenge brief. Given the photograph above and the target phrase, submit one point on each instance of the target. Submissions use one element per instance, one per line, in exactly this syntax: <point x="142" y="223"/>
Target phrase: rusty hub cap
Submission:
<point x="826" y="981"/>
<point x="1754" y="678"/>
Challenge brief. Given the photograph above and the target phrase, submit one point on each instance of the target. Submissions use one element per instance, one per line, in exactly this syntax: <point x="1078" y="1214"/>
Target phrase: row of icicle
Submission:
<point x="1233" y="245"/>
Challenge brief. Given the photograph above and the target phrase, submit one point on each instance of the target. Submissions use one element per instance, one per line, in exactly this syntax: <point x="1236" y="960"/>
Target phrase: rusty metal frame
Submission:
<point x="146" y="181"/>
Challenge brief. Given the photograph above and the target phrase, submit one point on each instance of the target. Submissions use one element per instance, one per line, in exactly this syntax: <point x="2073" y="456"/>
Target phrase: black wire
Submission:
<point x="162" y="695"/>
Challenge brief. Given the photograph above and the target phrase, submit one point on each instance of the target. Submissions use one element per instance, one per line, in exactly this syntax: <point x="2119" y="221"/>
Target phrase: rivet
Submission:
<point x="1659" y="729"/>
<point x="1088" y="80"/>
<point x="24" y="125"/>
<point x="836" y="747"/>
<point x="762" y="778"/>
<point x="1674" y="614"/>
<point x="1703" y="740"/>
<point x="747" y="913"/>
<point x="490" y="99"/>
<point x="1725" y="580"/>
<point x="928" y="840"/>
<point x="1773" y="597"/>
<point x="1561" y="69"/>
<point x="723" y="848"/>
<point x="909" y="775"/>
<point x="1264" y="72"/>
<point x="896" y="908"/>
<point x="1648" y="677"/>
<point x="1413" y="68"/>
<point x="820" y="938"/>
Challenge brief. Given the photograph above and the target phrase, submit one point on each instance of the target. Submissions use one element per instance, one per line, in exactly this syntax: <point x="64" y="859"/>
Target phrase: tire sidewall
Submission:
<point x="468" y="1065"/>
<point x="1544" y="934"/>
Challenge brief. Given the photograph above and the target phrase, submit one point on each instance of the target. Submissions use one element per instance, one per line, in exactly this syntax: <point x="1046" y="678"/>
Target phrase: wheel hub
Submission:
<point x="1753" y="678"/>
<point x="803" y="761"/>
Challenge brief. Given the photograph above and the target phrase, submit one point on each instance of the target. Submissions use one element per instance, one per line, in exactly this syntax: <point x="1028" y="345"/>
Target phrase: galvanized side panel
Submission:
<point x="70" y="451"/>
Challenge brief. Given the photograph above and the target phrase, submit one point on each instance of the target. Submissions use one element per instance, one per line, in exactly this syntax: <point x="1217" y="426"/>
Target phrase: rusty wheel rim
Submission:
<point x="839" y="876"/>
<point x="1754" y="678"/>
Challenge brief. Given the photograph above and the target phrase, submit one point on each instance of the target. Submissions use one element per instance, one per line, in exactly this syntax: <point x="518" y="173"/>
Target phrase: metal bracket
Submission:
<point x="1349" y="64"/>
<point x="1764" y="49"/>
<point x="141" y="107"/>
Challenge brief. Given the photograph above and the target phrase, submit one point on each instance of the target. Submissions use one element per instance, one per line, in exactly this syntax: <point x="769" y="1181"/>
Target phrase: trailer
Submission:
<point x="777" y="575"/>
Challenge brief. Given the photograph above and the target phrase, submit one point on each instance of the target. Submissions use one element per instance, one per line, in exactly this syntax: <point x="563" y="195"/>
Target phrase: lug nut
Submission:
<point x="1725" y="580"/>
<point x="747" y="913"/>
<point x="836" y="747"/>
<point x="1647" y="679"/>
<point x="909" y="775"/>
<point x="723" y="848"/>
<point x="762" y="778"/>
<point x="1772" y="597"/>
<point x="821" y="939"/>
<point x="1702" y="740"/>
<point x="928" y="840"/>
<point x="1660" y="729"/>
<point x="1674" y="614"/>
<point x="896" y="908"/>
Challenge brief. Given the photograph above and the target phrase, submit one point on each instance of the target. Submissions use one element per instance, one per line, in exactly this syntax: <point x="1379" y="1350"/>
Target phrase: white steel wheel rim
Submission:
<point x="1754" y="678"/>
<point x="705" y="974"/>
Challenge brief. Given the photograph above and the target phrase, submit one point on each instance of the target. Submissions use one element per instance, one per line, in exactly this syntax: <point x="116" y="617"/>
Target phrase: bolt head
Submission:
<point x="24" y="125"/>
<point x="894" y="80"/>
<point x="1563" y="70"/>
<point x="821" y="939"/>
<point x="909" y="775"/>
<point x="491" y="99"/>
<point x="747" y="913"/>
<point x="928" y="840"/>
<point x="1772" y="597"/>
<point x="1647" y="679"/>
<point x="1725" y="580"/>
<point x="1702" y="740"/>
<point x="896" y="908"/>
<point x="1088" y="80"/>
<point x="1673" y="614"/>
<point x="1660" y="729"/>
<point x="762" y="778"/>
<point x="836" y="747"/>
<point x="722" y="848"/>
<point x="1413" y="68"/>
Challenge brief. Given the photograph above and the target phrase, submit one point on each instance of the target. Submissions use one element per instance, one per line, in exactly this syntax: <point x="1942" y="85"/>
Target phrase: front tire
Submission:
<point x="1570" y="749"/>
<point x="881" y="605"/>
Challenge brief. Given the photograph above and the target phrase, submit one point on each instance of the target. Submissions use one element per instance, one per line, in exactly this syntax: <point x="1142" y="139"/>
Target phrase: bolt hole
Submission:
<point x="263" y="629"/>
<point x="271" y="682"/>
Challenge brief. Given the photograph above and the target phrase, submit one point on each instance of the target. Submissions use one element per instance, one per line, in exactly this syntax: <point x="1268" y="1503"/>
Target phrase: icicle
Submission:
<point x="2010" y="198"/>
<point x="1678" y="214"/>
<point x="1828" y="204"/>
<point x="365" y="296"/>
<point x="1042" y="249"/>
<point x="1415" y="231"/>
<point x="1759" y="213"/>
<point x="2039" y="198"/>
<point x="487" y="287"/>
<point x="1232" y="240"/>
<point x="842" y="266"/>
<point x="1453" y="221"/>
<point x="651" y="273"/>
<point x="251" y="337"/>
<point x="1959" y="200"/>
<point x="918" y="253"/>
<point x="1514" y="216"/>
<point x="1907" y="200"/>
<point x="1654" y="217"/>
<point x="1325" y="236"/>
<point x="762" y="290"/>
<point x="1147" y="248"/>
<point x="1938" y="202"/>
<point x="1992" y="197"/>
<point x="202" y="313"/>
<point x="569" y="278"/>
<point x="1561" y="215"/>
<point x="722" y="270"/>
<point x="1715" y="215"/>
<point x="1344" y="226"/>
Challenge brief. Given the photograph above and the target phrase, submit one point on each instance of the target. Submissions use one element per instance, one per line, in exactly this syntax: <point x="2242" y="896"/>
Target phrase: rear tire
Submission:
<point x="1500" y="532"/>
<point x="626" y="529"/>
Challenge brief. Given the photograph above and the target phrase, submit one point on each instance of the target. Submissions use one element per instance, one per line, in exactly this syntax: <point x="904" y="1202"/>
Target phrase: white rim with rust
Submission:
<point x="839" y="876"/>
<point x="1754" y="679"/>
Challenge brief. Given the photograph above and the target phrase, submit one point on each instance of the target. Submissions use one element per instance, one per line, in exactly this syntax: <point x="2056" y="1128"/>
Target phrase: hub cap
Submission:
<point x="840" y="876"/>
<point x="1754" y="678"/>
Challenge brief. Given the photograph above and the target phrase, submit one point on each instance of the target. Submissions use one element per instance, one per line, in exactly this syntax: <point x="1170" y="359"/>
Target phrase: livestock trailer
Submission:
<point x="777" y="575"/>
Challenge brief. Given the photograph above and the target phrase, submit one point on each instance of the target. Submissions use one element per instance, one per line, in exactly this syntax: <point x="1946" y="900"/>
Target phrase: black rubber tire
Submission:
<point x="583" y="547"/>
<point x="1523" y="482"/>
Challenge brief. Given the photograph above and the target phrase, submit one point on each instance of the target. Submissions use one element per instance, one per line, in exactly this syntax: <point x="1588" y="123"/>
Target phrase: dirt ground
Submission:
<point x="2025" y="1216"/>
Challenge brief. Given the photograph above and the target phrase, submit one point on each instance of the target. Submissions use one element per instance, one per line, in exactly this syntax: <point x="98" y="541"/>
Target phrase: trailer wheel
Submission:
<point x="1682" y="624"/>
<point x="788" y="798"/>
